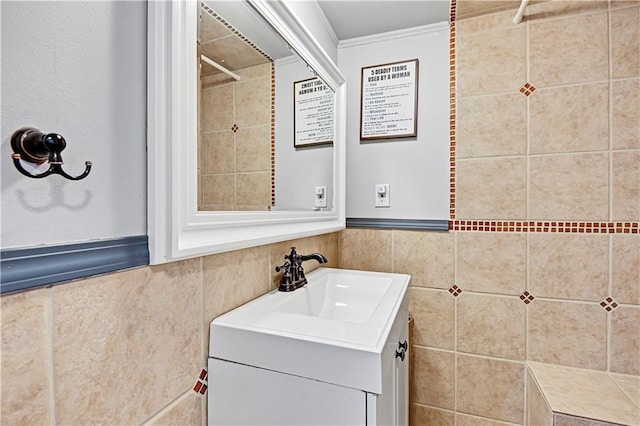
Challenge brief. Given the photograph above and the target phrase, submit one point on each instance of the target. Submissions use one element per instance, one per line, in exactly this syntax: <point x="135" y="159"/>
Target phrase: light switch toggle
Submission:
<point x="320" y="197"/>
<point x="382" y="195"/>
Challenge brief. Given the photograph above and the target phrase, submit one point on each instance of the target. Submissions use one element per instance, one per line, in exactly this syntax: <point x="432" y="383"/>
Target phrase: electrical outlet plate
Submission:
<point x="320" y="196"/>
<point x="382" y="195"/>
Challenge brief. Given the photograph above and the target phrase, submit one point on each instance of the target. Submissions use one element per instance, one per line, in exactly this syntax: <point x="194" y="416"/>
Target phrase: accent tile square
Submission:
<point x="570" y="119"/>
<point x="136" y="319"/>
<point x="426" y="256"/>
<point x="502" y="385"/>
<point x="626" y="114"/>
<point x="626" y="185"/>
<point x="557" y="266"/>
<point x="491" y="126"/>
<point x="493" y="61"/>
<point x="625" y="340"/>
<point x="366" y="249"/>
<point x="491" y="188"/>
<point x="569" y="187"/>
<point x="626" y="268"/>
<point x="625" y="42"/>
<point x="568" y="333"/>
<point x="491" y="325"/>
<point x="433" y="377"/>
<point x="433" y="313"/>
<point x="559" y="55"/>
<point x="25" y="367"/>
<point x="492" y="262"/>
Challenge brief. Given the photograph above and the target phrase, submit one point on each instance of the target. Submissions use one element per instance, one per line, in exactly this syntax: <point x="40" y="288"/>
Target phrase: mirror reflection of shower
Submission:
<point x="247" y="157"/>
<point x="236" y="144"/>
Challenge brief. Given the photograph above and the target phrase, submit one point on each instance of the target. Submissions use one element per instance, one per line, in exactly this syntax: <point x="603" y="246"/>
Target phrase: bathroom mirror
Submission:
<point x="177" y="228"/>
<point x="246" y="158"/>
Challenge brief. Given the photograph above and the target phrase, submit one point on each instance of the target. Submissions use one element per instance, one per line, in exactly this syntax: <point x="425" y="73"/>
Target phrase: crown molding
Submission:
<point x="325" y="22"/>
<point x="393" y="35"/>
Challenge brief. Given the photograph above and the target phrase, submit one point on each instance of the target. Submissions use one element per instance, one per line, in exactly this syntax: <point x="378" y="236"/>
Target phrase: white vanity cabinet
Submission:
<point x="391" y="407"/>
<point x="280" y="361"/>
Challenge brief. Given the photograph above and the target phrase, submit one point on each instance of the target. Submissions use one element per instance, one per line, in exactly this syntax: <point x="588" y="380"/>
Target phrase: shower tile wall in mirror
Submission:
<point x="246" y="158"/>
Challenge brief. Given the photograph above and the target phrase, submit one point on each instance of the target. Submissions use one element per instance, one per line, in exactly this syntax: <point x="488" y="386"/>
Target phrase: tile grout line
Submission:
<point x="204" y="352"/>
<point x="517" y="297"/>
<point x="525" y="394"/>
<point x="610" y="112"/>
<point x="454" y="160"/>
<point x="542" y="155"/>
<point x="50" y="356"/>
<point x="203" y="341"/>
<point x="610" y="182"/>
<point x="527" y="207"/>
<point x="235" y="147"/>
<point x="167" y="408"/>
<point x="475" y="355"/>
<point x="455" y="327"/>
<point x="393" y="251"/>
<point x="624" y="392"/>
<point x="528" y="288"/>
<point x="527" y="119"/>
<point x="610" y="314"/>
<point x="562" y="15"/>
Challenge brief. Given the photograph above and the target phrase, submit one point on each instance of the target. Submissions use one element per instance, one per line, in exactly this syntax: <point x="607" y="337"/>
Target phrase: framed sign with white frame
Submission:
<point x="313" y="113"/>
<point x="389" y="101"/>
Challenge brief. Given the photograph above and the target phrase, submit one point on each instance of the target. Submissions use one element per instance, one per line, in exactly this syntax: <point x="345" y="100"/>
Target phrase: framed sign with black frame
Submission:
<point x="312" y="113"/>
<point x="389" y="101"/>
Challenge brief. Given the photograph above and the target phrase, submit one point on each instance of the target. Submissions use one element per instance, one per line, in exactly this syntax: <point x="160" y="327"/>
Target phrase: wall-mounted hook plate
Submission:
<point x="31" y="145"/>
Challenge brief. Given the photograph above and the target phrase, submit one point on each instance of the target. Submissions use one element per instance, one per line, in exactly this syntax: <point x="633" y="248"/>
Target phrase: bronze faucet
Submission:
<point x="293" y="273"/>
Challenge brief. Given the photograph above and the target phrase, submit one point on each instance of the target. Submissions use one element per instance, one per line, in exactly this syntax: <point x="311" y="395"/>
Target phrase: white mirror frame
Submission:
<point x="177" y="230"/>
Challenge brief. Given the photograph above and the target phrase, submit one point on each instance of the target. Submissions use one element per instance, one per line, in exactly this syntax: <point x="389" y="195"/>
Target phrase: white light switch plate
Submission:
<point x="382" y="195"/>
<point x="320" y="196"/>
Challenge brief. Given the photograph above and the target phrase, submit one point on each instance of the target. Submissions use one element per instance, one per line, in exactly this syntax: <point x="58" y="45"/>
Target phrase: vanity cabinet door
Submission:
<point x="243" y="395"/>
<point x="401" y="385"/>
<point x="391" y="407"/>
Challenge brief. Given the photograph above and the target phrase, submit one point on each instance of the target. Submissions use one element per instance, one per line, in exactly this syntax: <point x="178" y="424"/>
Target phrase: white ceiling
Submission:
<point x="359" y="18"/>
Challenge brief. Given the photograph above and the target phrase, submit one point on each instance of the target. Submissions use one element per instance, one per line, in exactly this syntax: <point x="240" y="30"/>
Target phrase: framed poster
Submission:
<point x="312" y="113"/>
<point x="389" y="101"/>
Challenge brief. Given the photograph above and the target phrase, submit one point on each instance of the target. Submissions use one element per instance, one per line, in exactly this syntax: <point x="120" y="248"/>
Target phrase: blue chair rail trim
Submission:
<point x="27" y="268"/>
<point x="409" y="224"/>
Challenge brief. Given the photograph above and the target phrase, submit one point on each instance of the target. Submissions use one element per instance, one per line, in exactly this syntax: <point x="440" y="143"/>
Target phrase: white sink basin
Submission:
<point x="337" y="295"/>
<point x="333" y="329"/>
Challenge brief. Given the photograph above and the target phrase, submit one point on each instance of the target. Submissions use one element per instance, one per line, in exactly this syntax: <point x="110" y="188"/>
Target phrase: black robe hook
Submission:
<point x="32" y="145"/>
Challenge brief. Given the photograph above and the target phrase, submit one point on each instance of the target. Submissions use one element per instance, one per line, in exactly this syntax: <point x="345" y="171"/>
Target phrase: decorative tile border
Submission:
<point x="547" y="226"/>
<point x="273" y="134"/>
<point x="455" y="290"/>
<point x="233" y="30"/>
<point x="609" y="304"/>
<point x="508" y="225"/>
<point x="452" y="11"/>
<point x="527" y="297"/>
<point x="527" y="89"/>
<point x="452" y="113"/>
<point x="202" y="383"/>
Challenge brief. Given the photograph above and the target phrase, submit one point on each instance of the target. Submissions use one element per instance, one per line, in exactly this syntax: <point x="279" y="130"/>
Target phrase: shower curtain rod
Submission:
<point x="518" y="18"/>
<point x="220" y="67"/>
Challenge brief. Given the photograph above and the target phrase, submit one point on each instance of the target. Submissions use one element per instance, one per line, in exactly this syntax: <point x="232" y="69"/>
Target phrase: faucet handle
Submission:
<point x="294" y="257"/>
<point x="284" y="267"/>
<point x="286" y="283"/>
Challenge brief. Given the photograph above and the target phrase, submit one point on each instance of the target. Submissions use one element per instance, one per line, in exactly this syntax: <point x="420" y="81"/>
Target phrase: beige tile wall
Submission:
<point x="128" y="347"/>
<point x="485" y="303"/>
<point x="235" y="163"/>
